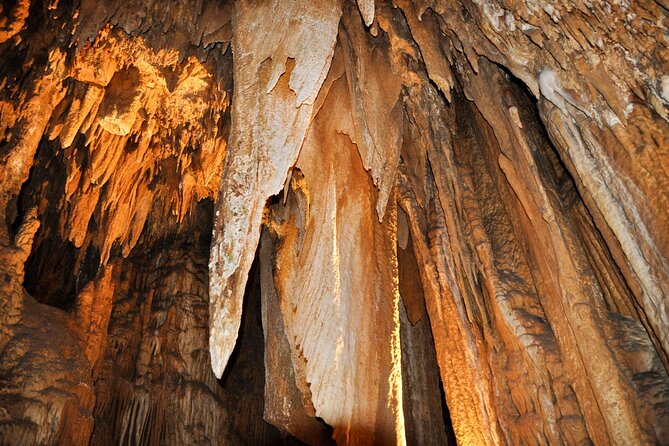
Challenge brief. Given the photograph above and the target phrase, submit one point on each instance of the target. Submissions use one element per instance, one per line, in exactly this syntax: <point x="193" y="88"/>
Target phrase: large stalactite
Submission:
<point x="334" y="222"/>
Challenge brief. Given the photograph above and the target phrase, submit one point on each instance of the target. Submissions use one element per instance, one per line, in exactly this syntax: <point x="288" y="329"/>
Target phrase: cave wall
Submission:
<point x="391" y="222"/>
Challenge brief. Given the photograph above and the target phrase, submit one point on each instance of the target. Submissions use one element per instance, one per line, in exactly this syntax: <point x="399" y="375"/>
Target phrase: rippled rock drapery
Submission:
<point x="433" y="221"/>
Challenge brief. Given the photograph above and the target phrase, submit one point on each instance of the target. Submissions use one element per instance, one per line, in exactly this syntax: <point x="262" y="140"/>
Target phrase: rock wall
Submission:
<point x="382" y="222"/>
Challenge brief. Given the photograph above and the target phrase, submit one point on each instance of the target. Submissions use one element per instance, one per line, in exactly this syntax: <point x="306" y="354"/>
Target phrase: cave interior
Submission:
<point x="320" y="222"/>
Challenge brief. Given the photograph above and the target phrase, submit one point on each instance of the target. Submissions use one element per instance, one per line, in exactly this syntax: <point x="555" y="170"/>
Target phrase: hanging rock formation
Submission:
<point x="334" y="222"/>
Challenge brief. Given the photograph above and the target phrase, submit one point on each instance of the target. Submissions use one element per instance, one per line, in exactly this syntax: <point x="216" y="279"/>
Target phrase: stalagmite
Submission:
<point x="339" y="222"/>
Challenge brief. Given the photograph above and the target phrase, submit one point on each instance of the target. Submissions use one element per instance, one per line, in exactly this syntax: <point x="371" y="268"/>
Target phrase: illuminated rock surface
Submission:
<point x="287" y="222"/>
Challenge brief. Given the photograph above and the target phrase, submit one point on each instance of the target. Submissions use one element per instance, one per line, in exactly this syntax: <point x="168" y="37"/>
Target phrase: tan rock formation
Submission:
<point x="349" y="222"/>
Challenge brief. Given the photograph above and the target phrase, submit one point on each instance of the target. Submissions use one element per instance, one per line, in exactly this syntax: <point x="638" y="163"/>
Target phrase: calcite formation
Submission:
<point x="334" y="222"/>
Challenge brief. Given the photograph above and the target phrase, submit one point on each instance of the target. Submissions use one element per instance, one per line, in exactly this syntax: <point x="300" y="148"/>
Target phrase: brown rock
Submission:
<point x="462" y="207"/>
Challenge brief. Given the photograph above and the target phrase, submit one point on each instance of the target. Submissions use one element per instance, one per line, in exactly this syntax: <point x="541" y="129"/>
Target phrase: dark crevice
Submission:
<point x="420" y="378"/>
<point x="446" y="415"/>
<point x="244" y="376"/>
<point x="51" y="273"/>
<point x="420" y="370"/>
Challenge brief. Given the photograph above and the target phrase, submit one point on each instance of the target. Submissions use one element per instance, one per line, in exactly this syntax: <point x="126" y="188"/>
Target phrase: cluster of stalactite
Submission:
<point x="329" y="221"/>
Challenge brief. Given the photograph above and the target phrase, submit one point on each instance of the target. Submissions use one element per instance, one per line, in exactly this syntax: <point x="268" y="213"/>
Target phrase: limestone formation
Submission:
<point x="334" y="222"/>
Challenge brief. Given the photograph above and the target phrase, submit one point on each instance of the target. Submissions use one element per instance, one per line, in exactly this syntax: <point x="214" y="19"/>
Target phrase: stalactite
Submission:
<point x="270" y="116"/>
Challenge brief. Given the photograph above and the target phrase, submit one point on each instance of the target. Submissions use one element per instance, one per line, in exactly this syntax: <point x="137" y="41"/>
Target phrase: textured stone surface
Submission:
<point x="287" y="395"/>
<point x="278" y="70"/>
<point x="462" y="207"/>
<point x="338" y="302"/>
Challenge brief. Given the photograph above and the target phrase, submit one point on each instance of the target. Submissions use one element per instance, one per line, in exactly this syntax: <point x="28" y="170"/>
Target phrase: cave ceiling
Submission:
<point x="318" y="222"/>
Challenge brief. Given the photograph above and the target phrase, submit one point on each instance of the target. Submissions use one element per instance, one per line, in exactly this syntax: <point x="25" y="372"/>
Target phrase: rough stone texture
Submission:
<point x="465" y="191"/>
<point x="286" y="405"/>
<point x="106" y="136"/>
<point x="278" y="71"/>
<point x="337" y="301"/>
<point x="424" y="417"/>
